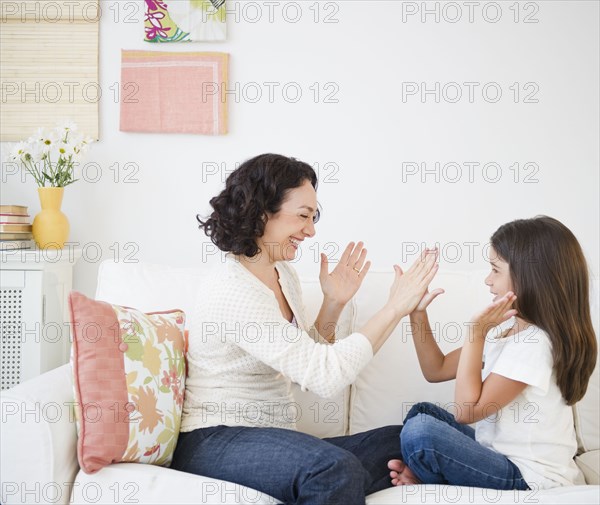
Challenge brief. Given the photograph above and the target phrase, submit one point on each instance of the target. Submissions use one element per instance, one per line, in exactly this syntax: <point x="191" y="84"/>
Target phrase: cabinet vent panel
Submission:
<point x="11" y="327"/>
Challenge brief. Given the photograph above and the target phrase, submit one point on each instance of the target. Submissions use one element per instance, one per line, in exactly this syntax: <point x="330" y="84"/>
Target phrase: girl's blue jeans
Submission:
<point x="439" y="450"/>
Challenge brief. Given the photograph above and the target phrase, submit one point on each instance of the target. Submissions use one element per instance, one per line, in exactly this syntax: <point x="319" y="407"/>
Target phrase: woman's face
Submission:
<point x="499" y="279"/>
<point x="286" y="229"/>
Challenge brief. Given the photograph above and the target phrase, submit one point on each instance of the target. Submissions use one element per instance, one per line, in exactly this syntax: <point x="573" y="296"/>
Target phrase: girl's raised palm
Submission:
<point x="495" y="313"/>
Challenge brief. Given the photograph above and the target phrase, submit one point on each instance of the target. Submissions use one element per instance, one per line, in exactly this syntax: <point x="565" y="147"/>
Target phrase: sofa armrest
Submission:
<point x="38" y="440"/>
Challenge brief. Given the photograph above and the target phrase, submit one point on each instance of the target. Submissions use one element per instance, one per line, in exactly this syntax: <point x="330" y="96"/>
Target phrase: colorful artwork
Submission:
<point x="185" y="21"/>
<point x="174" y="92"/>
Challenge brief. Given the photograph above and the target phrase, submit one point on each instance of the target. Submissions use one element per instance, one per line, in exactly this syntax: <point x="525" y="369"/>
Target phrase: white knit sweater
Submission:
<point x="243" y="353"/>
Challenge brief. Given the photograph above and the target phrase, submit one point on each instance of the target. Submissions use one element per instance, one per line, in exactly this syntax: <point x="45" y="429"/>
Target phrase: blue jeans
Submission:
<point x="292" y="467"/>
<point x="439" y="450"/>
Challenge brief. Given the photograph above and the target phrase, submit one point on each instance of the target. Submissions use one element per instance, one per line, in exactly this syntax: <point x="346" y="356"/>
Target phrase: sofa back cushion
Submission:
<point x="148" y="287"/>
<point x="319" y="416"/>
<point x="587" y="411"/>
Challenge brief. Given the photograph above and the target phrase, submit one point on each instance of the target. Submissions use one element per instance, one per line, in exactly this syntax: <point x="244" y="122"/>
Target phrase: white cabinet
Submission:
<point x="34" y="312"/>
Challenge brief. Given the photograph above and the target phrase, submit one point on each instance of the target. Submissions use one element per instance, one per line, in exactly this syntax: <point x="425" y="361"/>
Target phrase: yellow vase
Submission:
<point x="51" y="226"/>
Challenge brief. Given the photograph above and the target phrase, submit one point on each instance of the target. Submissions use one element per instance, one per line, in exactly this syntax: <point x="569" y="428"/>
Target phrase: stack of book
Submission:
<point x="15" y="228"/>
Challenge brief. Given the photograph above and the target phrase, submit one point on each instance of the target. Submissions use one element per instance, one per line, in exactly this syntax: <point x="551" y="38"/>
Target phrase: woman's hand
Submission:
<point x="408" y="290"/>
<point x="494" y="314"/>
<point x="343" y="282"/>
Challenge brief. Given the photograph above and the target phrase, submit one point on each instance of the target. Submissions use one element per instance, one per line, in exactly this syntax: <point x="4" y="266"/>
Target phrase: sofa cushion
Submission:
<point x="321" y="417"/>
<point x="587" y="411"/>
<point x="589" y="463"/>
<point x="129" y="374"/>
<point x="148" y="287"/>
<point x="146" y="484"/>
<point x="435" y="494"/>
<point x="587" y="416"/>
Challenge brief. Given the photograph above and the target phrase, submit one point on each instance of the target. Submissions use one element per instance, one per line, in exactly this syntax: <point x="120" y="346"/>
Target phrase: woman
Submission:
<point x="249" y="339"/>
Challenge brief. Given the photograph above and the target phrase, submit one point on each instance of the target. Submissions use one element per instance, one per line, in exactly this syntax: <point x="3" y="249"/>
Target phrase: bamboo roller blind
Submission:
<point x="48" y="66"/>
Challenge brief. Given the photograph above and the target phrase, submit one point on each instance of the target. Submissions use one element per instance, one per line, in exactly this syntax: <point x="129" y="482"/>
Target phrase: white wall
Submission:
<point x="368" y="135"/>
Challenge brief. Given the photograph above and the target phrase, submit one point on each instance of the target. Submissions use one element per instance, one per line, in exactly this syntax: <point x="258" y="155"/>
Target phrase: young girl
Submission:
<point x="537" y="361"/>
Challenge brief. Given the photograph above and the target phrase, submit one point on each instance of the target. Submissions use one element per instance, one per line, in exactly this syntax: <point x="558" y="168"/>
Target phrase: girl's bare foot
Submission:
<point x="400" y="474"/>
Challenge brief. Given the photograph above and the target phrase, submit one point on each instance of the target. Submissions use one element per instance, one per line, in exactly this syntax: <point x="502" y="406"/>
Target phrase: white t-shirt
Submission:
<point x="536" y="430"/>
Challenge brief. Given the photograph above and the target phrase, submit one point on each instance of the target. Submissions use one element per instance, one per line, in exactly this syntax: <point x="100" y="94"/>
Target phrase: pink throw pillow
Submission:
<point x="129" y="373"/>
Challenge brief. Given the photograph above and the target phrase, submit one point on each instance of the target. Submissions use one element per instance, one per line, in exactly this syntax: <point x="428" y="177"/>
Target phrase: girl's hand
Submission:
<point x="409" y="288"/>
<point x="427" y="299"/>
<point x="343" y="282"/>
<point x="494" y="314"/>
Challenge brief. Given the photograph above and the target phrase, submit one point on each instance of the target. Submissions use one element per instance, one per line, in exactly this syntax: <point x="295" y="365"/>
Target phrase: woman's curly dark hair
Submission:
<point x="257" y="186"/>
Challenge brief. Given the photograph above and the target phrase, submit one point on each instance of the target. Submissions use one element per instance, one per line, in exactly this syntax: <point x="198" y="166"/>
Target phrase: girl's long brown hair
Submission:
<point x="551" y="280"/>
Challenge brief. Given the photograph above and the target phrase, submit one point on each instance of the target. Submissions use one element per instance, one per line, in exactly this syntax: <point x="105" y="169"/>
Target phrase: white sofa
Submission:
<point x="38" y="436"/>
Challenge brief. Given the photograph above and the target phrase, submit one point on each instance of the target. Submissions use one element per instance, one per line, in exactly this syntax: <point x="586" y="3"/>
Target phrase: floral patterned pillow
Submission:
<point x="129" y="372"/>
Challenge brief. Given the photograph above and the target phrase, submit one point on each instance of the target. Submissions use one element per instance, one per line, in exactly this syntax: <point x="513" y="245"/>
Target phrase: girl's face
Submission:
<point x="286" y="229"/>
<point x="499" y="278"/>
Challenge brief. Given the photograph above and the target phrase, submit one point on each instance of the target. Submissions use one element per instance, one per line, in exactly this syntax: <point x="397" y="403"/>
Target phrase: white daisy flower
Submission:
<point x="19" y="150"/>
